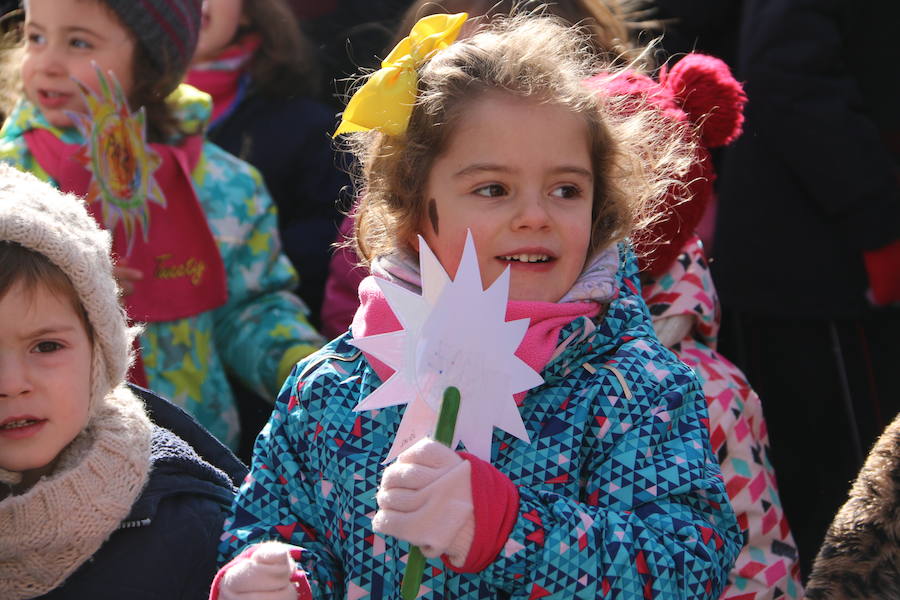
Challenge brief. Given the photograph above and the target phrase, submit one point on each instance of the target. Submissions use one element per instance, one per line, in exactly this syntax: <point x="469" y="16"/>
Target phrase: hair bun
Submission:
<point x="712" y="98"/>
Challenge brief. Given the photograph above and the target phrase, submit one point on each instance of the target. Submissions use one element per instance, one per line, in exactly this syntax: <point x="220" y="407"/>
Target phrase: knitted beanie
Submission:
<point x="167" y="29"/>
<point x="39" y="217"/>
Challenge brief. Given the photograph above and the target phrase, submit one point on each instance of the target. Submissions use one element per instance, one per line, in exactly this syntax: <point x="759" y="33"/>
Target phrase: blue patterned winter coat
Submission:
<point x="620" y="495"/>
<point x="261" y="331"/>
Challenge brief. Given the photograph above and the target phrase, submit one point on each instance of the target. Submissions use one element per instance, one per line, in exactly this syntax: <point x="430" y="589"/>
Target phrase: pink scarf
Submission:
<point x="183" y="274"/>
<point x="220" y="78"/>
<point x="375" y="316"/>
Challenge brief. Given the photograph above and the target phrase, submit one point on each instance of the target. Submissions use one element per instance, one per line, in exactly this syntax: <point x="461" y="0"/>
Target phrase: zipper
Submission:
<point x="133" y="524"/>
<point x="325" y="357"/>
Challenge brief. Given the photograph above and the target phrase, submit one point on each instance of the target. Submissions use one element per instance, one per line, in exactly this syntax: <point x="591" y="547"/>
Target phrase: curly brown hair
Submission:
<point x="610" y="24"/>
<point x="636" y="153"/>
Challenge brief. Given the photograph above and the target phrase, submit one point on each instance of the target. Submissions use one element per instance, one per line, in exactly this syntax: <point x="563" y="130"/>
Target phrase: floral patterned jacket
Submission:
<point x="262" y="329"/>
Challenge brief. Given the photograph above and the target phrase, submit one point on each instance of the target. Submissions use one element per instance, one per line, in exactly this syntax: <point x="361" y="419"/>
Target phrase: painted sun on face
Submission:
<point x="117" y="154"/>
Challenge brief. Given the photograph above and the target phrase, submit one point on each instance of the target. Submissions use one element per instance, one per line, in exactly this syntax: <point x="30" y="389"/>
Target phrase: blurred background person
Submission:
<point x="807" y="250"/>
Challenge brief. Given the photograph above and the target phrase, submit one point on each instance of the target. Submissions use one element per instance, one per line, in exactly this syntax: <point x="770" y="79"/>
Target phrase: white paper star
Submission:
<point x="456" y="334"/>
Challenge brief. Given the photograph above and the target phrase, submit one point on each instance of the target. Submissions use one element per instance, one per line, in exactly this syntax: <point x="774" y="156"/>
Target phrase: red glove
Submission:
<point x="883" y="268"/>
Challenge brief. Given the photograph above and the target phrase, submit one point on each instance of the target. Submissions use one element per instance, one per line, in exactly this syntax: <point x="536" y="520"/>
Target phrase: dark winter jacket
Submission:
<point x="288" y="141"/>
<point x="175" y="524"/>
<point x="813" y="182"/>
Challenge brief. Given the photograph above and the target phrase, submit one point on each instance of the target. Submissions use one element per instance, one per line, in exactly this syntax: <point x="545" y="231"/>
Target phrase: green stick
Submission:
<point x="443" y="433"/>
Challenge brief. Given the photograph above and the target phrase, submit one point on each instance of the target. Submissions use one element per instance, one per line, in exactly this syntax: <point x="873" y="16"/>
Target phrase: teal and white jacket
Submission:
<point x="620" y="495"/>
<point x="262" y="329"/>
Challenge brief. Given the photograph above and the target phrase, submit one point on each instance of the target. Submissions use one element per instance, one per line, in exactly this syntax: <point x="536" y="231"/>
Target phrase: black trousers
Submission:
<point x="828" y="388"/>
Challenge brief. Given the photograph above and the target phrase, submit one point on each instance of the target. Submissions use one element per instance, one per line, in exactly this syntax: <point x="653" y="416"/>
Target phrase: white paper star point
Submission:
<point x="436" y="349"/>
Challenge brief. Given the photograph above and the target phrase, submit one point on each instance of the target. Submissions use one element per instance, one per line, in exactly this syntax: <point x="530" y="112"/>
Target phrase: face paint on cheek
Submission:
<point x="433" y="215"/>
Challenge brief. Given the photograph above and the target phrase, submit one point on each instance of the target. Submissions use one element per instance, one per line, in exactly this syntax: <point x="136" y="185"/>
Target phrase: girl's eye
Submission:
<point x="566" y="191"/>
<point x="80" y="44"/>
<point x="491" y="190"/>
<point x="47" y="347"/>
<point x="35" y="38"/>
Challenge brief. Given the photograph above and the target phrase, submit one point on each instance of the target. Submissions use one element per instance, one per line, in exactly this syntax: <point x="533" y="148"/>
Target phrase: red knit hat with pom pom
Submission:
<point x="701" y="91"/>
<point x="709" y="95"/>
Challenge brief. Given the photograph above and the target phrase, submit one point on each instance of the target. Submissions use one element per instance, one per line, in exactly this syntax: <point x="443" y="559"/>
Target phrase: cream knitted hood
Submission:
<point x="39" y="217"/>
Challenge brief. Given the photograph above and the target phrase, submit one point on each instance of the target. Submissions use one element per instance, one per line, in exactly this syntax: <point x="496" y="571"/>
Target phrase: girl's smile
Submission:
<point x="52" y="99"/>
<point x="526" y="192"/>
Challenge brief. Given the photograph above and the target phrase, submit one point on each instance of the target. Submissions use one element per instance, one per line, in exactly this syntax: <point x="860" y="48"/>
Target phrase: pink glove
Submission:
<point x="425" y="498"/>
<point x="266" y="571"/>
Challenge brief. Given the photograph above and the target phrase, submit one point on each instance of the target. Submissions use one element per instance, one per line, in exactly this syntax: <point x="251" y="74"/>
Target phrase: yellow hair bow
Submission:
<point x="386" y="100"/>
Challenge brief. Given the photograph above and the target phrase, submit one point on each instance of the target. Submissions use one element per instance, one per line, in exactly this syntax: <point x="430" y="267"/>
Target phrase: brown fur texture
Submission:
<point x="860" y="557"/>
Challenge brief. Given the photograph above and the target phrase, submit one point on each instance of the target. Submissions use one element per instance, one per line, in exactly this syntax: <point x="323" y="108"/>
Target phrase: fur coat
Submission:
<point x="860" y="557"/>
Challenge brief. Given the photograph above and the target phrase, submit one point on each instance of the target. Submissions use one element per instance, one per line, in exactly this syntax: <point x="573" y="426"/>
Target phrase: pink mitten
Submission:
<point x="425" y="498"/>
<point x="266" y="571"/>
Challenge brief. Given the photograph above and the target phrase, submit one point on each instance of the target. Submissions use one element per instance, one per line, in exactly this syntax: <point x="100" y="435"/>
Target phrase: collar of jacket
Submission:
<point x="192" y="110"/>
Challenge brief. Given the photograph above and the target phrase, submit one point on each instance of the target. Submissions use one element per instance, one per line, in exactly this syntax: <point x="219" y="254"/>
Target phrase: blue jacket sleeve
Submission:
<point x="276" y="501"/>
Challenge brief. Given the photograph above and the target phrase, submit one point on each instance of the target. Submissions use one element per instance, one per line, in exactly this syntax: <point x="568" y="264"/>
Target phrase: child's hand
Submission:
<point x="126" y="276"/>
<point x="425" y="498"/>
<point x="266" y="571"/>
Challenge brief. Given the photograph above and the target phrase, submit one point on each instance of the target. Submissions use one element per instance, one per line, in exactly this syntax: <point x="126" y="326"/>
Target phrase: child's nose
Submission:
<point x="51" y="61"/>
<point x="13" y="380"/>
<point x="531" y="211"/>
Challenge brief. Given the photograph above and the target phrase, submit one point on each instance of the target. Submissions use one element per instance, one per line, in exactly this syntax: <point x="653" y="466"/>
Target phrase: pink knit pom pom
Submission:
<point x="710" y="95"/>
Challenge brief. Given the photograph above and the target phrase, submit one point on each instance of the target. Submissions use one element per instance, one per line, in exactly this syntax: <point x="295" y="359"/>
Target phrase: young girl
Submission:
<point x="252" y="59"/>
<point x="206" y="272"/>
<point x="699" y="93"/>
<point x="96" y="501"/>
<point x="617" y="494"/>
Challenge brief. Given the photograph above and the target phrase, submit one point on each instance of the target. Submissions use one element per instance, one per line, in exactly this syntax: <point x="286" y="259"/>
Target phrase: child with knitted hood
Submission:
<point x="194" y="229"/>
<point x="96" y="500"/>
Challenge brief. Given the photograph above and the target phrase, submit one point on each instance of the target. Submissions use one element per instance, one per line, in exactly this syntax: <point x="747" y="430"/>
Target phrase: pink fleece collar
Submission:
<point x="374" y="316"/>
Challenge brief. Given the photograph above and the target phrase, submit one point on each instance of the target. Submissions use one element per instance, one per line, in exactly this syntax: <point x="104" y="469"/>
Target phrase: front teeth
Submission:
<point x="16" y="424"/>
<point x="529" y="258"/>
